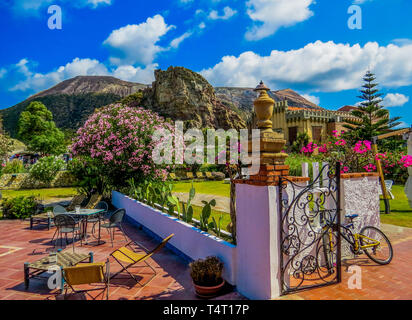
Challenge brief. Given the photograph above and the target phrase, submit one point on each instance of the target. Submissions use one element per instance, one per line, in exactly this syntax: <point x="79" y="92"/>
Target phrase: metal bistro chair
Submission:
<point x="65" y="224"/>
<point x="115" y="221"/>
<point x="57" y="210"/>
<point x="98" y="217"/>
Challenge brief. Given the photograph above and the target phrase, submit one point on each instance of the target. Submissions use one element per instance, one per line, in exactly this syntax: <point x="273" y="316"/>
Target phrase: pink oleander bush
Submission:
<point x="118" y="140"/>
<point x="359" y="157"/>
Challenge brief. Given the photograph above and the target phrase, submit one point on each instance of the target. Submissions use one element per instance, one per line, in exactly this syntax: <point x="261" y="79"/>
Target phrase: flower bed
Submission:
<point x="189" y="241"/>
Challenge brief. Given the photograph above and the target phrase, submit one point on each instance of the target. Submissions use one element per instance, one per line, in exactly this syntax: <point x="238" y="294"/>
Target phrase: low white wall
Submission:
<point x="189" y="240"/>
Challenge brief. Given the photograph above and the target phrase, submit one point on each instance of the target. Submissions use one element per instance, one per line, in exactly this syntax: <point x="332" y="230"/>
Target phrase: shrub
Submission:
<point x="118" y="140"/>
<point x="207" y="272"/>
<point x="14" y="166"/>
<point x="45" y="169"/>
<point x="19" y="208"/>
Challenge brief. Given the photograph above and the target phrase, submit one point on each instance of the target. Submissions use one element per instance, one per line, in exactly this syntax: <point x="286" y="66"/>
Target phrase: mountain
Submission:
<point x="243" y="98"/>
<point x="72" y="101"/>
<point x="177" y="93"/>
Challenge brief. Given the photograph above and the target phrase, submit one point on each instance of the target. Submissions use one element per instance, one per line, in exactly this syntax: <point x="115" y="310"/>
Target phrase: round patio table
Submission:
<point x="83" y="214"/>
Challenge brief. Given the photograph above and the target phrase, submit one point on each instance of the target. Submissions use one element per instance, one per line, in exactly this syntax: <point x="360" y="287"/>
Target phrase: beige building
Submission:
<point x="317" y="123"/>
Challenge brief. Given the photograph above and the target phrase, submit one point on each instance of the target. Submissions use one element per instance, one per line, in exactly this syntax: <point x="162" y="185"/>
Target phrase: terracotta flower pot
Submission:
<point x="208" y="292"/>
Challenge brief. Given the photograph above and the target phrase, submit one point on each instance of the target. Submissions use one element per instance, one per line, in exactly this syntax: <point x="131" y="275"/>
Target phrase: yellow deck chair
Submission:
<point x="128" y="257"/>
<point x="76" y="201"/>
<point x="209" y="175"/>
<point x="199" y="175"/>
<point x="172" y="176"/>
<point x="93" y="274"/>
<point x="94" y="200"/>
<point x="190" y="175"/>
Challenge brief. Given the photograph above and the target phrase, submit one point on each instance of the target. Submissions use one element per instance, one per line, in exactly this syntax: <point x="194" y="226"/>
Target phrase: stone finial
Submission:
<point x="261" y="86"/>
<point x="264" y="108"/>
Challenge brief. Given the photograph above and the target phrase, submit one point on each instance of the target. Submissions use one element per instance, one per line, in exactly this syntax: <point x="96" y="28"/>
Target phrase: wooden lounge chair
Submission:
<point x="190" y="175"/>
<point x="200" y="175"/>
<point x="76" y="201"/>
<point x="127" y="257"/>
<point x="94" y="200"/>
<point x="209" y="175"/>
<point x="93" y="274"/>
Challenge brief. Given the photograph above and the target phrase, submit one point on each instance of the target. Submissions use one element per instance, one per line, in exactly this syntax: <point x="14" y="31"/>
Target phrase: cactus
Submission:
<point x="205" y="215"/>
<point x="217" y="226"/>
<point x="174" y="202"/>
<point x="188" y="213"/>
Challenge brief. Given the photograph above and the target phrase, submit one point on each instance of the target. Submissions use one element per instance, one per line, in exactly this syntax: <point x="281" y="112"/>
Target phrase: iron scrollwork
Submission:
<point x="310" y="239"/>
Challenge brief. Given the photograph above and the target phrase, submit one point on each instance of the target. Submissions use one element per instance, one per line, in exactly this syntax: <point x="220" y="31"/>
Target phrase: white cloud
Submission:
<point x="313" y="99"/>
<point x="39" y="81"/>
<point x="2" y="72"/>
<point x="270" y="15"/>
<point x="395" y="100"/>
<point x="319" y="66"/>
<point x="227" y="14"/>
<point x="137" y="43"/>
<point x="177" y="41"/>
<point x="136" y="74"/>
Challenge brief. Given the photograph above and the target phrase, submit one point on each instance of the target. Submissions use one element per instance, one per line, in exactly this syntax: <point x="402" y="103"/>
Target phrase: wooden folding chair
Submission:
<point x="129" y="258"/>
<point x="94" y="200"/>
<point x="76" y="201"/>
<point x="88" y="274"/>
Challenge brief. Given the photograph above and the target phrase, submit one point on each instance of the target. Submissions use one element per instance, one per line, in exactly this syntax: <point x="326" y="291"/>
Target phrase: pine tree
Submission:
<point x="371" y="117"/>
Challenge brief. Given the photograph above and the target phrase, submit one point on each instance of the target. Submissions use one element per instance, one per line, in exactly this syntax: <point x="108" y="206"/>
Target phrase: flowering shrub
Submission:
<point x="45" y="169"/>
<point x="359" y="158"/>
<point x="118" y="140"/>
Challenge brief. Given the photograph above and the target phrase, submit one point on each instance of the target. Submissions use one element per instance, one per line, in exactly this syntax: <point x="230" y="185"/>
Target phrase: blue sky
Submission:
<point x="305" y="45"/>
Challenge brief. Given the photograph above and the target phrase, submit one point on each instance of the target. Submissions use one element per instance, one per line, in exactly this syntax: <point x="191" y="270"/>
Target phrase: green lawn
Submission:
<point x="207" y="187"/>
<point x="41" y="194"/>
<point x="401" y="213"/>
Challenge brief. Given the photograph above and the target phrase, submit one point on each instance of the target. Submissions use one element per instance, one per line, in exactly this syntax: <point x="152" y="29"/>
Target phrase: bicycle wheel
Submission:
<point x="381" y="254"/>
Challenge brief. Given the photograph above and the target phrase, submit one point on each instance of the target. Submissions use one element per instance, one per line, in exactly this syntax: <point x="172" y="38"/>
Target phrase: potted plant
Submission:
<point x="207" y="276"/>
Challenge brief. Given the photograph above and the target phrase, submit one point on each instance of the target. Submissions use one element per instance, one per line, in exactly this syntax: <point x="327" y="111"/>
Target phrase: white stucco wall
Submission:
<point x="258" y="269"/>
<point x="188" y="239"/>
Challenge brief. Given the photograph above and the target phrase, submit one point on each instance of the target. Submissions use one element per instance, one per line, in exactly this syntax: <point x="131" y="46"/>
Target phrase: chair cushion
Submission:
<point x="127" y="255"/>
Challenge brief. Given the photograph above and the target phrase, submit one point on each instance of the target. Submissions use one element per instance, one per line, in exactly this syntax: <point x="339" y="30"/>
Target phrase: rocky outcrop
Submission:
<point x="181" y="94"/>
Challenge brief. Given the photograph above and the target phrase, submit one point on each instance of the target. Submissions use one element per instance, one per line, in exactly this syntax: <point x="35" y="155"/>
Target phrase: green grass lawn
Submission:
<point x="207" y="187"/>
<point x="401" y="213"/>
<point x="41" y="194"/>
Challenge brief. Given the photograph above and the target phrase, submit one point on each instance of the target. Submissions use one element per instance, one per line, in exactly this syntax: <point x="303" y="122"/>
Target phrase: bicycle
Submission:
<point x="370" y="240"/>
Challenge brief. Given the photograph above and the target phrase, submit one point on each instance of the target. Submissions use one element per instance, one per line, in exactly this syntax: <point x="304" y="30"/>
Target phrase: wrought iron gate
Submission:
<point x="310" y="241"/>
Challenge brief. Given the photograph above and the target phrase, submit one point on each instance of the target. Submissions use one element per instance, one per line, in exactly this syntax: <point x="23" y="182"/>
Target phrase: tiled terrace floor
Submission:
<point x="172" y="280"/>
<point x="389" y="282"/>
<point x="18" y="244"/>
